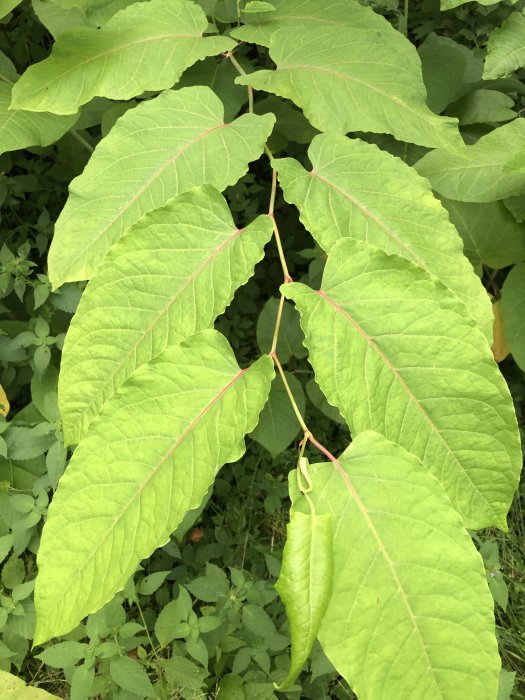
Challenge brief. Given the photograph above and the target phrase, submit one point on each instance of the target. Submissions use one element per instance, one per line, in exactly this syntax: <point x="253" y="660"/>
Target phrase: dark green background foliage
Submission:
<point x="210" y="590"/>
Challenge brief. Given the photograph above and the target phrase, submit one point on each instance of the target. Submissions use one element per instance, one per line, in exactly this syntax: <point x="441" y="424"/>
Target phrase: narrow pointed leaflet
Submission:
<point x="356" y="190"/>
<point x="162" y="148"/>
<point x="154" y="449"/>
<point x="358" y="80"/>
<point x="396" y="352"/>
<point x="146" y="46"/>
<point x="410" y="615"/>
<point x="168" y="277"/>
<point x="305" y="582"/>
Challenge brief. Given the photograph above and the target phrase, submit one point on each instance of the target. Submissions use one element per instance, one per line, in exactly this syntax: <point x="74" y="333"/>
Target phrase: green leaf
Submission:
<point x="151" y="583"/>
<point x="506" y="48"/>
<point x="162" y="148"/>
<point x="131" y="676"/>
<point x="397" y="353"/>
<point x="305" y="583"/>
<point x="19" y="129"/>
<point x="490" y="233"/>
<point x="211" y="587"/>
<point x="451" y="4"/>
<point x="506" y="684"/>
<point x="318" y="399"/>
<point x="187" y="258"/>
<point x="446" y="67"/>
<point x="410" y="615"/>
<point x="171" y="616"/>
<point x="63" y="655"/>
<point x="483" y="106"/>
<point x="298" y="15"/>
<point x="258" y="6"/>
<point x="6" y="542"/>
<point x="165" y="434"/>
<point x="14" y="688"/>
<point x="513" y="310"/>
<point x="278" y="424"/>
<point x="478" y="173"/>
<point x="6" y="6"/>
<point x="82" y="682"/>
<point x="356" y="190"/>
<point x="290" y="341"/>
<point x="147" y="46"/>
<point x="354" y="81"/>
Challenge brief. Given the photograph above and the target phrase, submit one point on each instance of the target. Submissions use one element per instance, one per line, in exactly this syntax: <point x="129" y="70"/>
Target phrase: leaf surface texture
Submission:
<point x="397" y="353"/>
<point x="150" y="456"/>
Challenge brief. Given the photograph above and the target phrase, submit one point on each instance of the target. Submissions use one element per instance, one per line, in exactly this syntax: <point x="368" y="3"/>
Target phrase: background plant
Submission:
<point x="183" y="625"/>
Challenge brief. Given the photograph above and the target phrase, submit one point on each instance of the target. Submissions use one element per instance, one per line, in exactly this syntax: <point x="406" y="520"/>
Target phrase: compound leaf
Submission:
<point x="146" y="46"/>
<point x="506" y="48"/>
<point x="356" y="190"/>
<point x="478" y="173"/>
<point x="354" y="81"/>
<point x="161" y="148"/>
<point x="513" y="311"/>
<point x="410" y="615"/>
<point x="168" y="277"/>
<point x="397" y="353"/>
<point x="150" y="456"/>
<point x="20" y="129"/>
<point x="305" y="583"/>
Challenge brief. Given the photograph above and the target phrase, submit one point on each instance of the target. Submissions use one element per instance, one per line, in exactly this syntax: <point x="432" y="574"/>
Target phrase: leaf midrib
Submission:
<point x="191" y="278"/>
<point x="143" y="189"/>
<point x="408" y="390"/>
<point x="154" y="472"/>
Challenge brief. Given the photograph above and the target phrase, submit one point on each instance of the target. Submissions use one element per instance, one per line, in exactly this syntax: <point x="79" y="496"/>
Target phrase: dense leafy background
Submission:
<point x="211" y="588"/>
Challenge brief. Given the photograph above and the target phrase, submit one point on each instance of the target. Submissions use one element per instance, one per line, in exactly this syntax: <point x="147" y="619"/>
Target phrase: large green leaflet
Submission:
<point x="356" y="190"/>
<point x="506" y="48"/>
<point x="411" y="614"/>
<point x="161" y="148"/>
<point x="20" y="129"/>
<point x="168" y="277"/>
<point x="150" y="456"/>
<point x="513" y="310"/>
<point x="491" y="235"/>
<point x="144" y="47"/>
<point x="305" y="582"/>
<point x="397" y="353"/>
<point x="354" y="81"/>
<point x="297" y="15"/>
<point x="478" y="173"/>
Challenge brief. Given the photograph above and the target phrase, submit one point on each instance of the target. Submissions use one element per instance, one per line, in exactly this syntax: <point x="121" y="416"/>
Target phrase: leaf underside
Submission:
<point x="162" y="148"/>
<point x="168" y="277"/>
<point x="150" y="456"/>
<point x="506" y="48"/>
<point x="513" y="310"/>
<point x="397" y="353"/>
<point x="357" y="190"/>
<point x="356" y="81"/>
<point x="147" y="46"/>
<point x="410" y="615"/>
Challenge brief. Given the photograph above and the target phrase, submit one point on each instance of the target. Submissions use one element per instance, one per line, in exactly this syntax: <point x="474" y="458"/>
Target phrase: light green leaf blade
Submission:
<point x="411" y="615"/>
<point x="506" y="48"/>
<point x="478" y="173"/>
<point x="451" y="4"/>
<point x="490" y="233"/>
<point x="168" y="277"/>
<point x="483" y="107"/>
<point x="356" y="80"/>
<point x="20" y="129"/>
<point x="14" y="688"/>
<point x="278" y="424"/>
<point x="397" y="353"/>
<point x="290" y="340"/>
<point x="6" y="6"/>
<point x="161" y="148"/>
<point x="513" y="310"/>
<point x="305" y="583"/>
<point x="356" y="190"/>
<point x="154" y="448"/>
<point x="298" y="15"/>
<point x="147" y="46"/>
